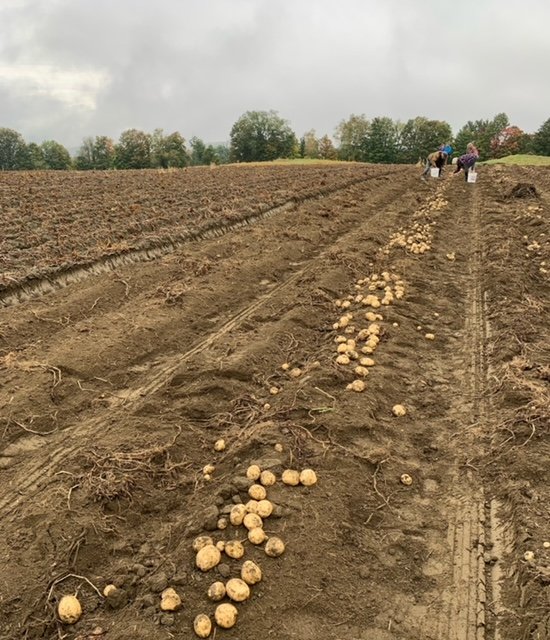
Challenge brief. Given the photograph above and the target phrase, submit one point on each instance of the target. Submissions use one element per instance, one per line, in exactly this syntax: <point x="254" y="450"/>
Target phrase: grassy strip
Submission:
<point x="521" y="159"/>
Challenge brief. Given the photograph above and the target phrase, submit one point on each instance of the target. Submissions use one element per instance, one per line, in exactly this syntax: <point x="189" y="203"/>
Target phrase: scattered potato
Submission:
<point x="406" y="479"/>
<point x="357" y="386"/>
<point x="226" y="615"/>
<point x="237" y="590"/>
<point x="253" y="472"/>
<point x="216" y="591"/>
<point x="399" y="410"/>
<point x="219" y="445"/>
<point x="222" y="524"/>
<point x="340" y="339"/>
<point x="220" y="545"/>
<point x="343" y="322"/>
<point x="342" y="348"/>
<point x="274" y="391"/>
<point x="208" y="557"/>
<point x="201" y="541"/>
<point x="278" y="447"/>
<point x="371" y="316"/>
<point x="291" y="477"/>
<point x="170" y="600"/>
<point x="257" y="492"/>
<point x="529" y="556"/>
<point x="202" y="625"/>
<point x="361" y="371"/>
<point x="234" y="549"/>
<point x="342" y="359"/>
<point x="251" y="572"/>
<point x="285" y="366"/>
<point x="274" y="547"/>
<point x="265" y="508"/>
<point x="208" y="469"/>
<point x="308" y="477"/>
<point x="252" y="520"/>
<point x="295" y="373"/>
<point x="257" y="535"/>
<point x="252" y="506"/>
<point x="367" y="362"/>
<point x="374" y="329"/>
<point x="69" y="609"/>
<point x="109" y="590"/>
<point x="367" y="349"/>
<point x="237" y="514"/>
<point x="268" y="478"/>
<point x="430" y="336"/>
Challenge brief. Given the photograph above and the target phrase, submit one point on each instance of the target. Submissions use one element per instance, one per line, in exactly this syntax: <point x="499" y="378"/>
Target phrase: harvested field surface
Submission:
<point x="52" y="222"/>
<point x="390" y="334"/>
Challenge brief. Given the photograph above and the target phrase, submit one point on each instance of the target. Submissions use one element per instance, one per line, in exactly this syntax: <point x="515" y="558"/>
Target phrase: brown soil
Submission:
<point x="113" y="391"/>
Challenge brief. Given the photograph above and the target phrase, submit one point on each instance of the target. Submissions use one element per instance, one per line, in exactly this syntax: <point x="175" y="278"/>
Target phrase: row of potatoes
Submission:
<point x="250" y="515"/>
<point x="356" y="345"/>
<point x="419" y="237"/>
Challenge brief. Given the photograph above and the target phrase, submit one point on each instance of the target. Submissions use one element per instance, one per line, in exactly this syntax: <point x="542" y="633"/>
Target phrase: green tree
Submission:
<point x="104" y="153"/>
<point x="133" y="150"/>
<point x="352" y="135"/>
<point x="382" y="143"/>
<point x="541" y="139"/>
<point x="261" y="135"/>
<point x="311" y="145"/>
<point x="85" y="157"/>
<point x="198" y="151"/>
<point x="55" y="155"/>
<point x="326" y="149"/>
<point x="202" y="154"/>
<point x="481" y="133"/>
<point x="222" y="152"/>
<point x="420" y="136"/>
<point x="168" y="151"/>
<point x="13" y="151"/>
<point x="36" y="156"/>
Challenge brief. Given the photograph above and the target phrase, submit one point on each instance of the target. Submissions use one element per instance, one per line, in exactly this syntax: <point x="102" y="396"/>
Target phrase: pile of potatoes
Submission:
<point x="360" y="330"/>
<point x="251" y="516"/>
<point x="209" y="552"/>
<point x="418" y="238"/>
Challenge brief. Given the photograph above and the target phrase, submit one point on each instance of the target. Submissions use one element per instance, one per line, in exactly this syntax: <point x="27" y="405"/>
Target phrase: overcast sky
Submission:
<point x="73" y="68"/>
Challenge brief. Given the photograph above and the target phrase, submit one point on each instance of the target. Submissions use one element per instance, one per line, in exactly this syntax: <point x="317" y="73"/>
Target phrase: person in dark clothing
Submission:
<point x="467" y="161"/>
<point x="436" y="159"/>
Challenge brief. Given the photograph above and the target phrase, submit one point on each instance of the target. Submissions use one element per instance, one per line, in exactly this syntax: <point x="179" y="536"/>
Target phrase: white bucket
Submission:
<point x="434" y="172"/>
<point x="472" y="176"/>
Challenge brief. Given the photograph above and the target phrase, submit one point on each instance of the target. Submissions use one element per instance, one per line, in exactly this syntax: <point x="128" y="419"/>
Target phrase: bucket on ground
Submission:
<point x="434" y="172"/>
<point x="472" y="176"/>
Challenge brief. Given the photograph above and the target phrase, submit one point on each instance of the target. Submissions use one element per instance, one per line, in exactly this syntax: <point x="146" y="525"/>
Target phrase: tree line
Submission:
<point x="259" y="136"/>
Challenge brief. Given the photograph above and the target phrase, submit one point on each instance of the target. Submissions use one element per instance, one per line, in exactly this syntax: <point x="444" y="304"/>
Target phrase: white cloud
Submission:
<point x="73" y="88"/>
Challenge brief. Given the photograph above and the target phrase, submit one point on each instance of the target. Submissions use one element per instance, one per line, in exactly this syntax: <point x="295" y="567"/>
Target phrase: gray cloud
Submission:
<point x="71" y="68"/>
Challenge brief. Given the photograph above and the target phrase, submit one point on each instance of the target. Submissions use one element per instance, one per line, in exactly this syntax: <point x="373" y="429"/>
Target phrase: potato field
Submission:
<point x="289" y="402"/>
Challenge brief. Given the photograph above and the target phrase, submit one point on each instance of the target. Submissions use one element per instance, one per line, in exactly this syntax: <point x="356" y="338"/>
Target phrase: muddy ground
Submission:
<point x="113" y="391"/>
